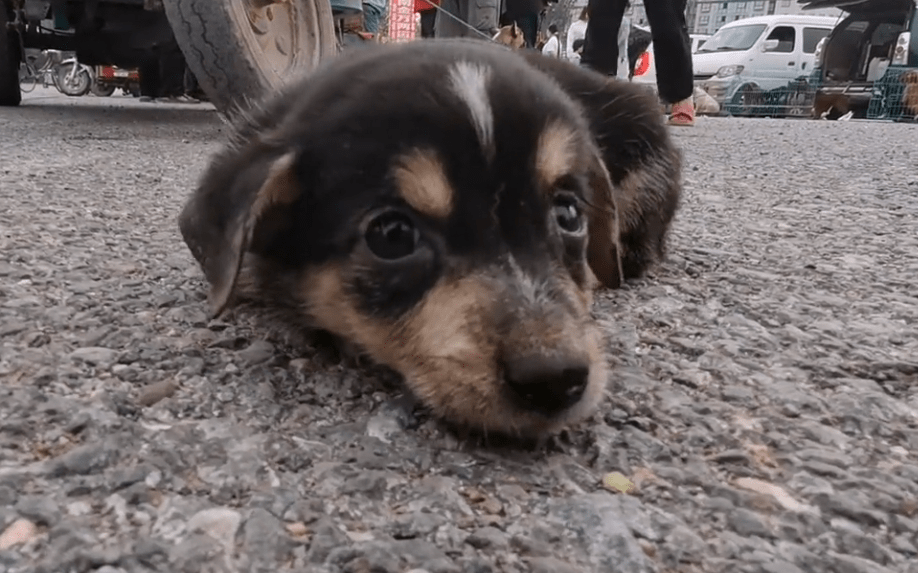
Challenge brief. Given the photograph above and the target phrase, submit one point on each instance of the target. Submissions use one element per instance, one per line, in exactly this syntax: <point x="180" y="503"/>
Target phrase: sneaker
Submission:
<point x="683" y="113"/>
<point x="185" y="98"/>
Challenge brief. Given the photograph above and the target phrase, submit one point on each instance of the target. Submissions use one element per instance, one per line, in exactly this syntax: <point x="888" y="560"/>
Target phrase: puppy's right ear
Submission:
<point x="242" y="201"/>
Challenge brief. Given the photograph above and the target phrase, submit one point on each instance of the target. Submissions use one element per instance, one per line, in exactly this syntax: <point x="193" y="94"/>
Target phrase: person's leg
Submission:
<point x="428" y="19"/>
<point x="672" y="48"/>
<point x="371" y="16"/>
<point x="529" y="25"/>
<point x="446" y="27"/>
<point x="600" y="45"/>
<point x="172" y="72"/>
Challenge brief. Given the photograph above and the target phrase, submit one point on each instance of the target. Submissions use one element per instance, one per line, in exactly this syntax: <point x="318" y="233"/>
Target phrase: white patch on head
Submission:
<point x="470" y="82"/>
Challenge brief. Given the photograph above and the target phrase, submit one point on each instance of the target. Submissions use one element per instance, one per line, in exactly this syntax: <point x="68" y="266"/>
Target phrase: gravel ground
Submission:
<point x="763" y="401"/>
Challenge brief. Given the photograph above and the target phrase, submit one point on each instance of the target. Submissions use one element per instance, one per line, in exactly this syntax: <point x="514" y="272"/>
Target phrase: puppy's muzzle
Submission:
<point x="546" y="384"/>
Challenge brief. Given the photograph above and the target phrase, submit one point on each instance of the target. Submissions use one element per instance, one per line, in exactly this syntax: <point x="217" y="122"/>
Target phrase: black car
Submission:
<point x="863" y="66"/>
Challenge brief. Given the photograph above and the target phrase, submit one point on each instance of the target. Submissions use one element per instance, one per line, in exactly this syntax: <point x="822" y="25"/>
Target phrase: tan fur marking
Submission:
<point x="448" y="349"/>
<point x="422" y="182"/>
<point x="556" y="153"/>
<point x="280" y="186"/>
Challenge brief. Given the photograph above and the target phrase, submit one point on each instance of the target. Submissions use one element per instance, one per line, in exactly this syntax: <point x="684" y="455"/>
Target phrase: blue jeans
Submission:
<point x="371" y="17"/>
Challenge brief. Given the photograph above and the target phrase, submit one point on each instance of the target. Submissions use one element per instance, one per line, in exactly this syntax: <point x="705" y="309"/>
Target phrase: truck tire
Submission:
<point x="9" y="63"/>
<point x="240" y="50"/>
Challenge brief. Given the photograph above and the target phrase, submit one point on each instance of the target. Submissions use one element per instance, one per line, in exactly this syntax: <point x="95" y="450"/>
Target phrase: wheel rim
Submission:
<point x="284" y="35"/>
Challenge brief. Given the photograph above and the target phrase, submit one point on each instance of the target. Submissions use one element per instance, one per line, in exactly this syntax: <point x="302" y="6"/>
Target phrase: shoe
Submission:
<point x="683" y="113"/>
<point x="185" y="98"/>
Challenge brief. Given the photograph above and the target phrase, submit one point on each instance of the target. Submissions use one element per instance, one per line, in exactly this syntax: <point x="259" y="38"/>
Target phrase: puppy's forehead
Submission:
<point x="469" y="81"/>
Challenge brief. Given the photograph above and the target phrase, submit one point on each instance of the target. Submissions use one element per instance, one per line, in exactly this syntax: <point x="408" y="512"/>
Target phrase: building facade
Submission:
<point x="707" y="16"/>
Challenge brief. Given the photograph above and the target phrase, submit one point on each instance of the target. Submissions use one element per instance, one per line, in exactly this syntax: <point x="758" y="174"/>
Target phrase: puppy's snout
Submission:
<point x="547" y="384"/>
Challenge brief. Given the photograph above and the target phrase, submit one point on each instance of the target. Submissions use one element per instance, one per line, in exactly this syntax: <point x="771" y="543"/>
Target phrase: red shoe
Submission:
<point x="683" y="113"/>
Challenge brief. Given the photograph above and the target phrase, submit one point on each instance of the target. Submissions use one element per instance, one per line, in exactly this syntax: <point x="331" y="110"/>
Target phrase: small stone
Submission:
<point x="153" y="393"/>
<point x="776" y="492"/>
<point x="82" y="460"/>
<point x="95" y="355"/>
<point x="824" y="469"/>
<point x="19" y="532"/>
<point x="732" y="457"/>
<point x="257" y="352"/>
<point x="488" y="537"/>
<point x="748" y="523"/>
<point x="780" y="567"/>
<point x="220" y="523"/>
<point x="41" y="510"/>
<point x="851" y="564"/>
<point x="552" y="565"/>
<point x="327" y="538"/>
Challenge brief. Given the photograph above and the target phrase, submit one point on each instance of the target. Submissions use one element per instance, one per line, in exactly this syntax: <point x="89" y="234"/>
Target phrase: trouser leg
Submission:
<point x="600" y="45"/>
<point x="672" y="48"/>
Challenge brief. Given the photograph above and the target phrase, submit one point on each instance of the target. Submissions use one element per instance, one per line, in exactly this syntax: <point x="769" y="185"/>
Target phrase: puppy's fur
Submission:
<point x="910" y="95"/>
<point x="446" y="206"/>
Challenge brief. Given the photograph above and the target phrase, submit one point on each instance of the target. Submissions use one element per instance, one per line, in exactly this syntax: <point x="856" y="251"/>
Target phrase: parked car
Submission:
<point x="645" y="69"/>
<point x="760" y="65"/>
<point x="864" y="65"/>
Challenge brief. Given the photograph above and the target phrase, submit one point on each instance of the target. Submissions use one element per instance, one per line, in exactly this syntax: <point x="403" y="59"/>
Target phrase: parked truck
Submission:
<point x="235" y="48"/>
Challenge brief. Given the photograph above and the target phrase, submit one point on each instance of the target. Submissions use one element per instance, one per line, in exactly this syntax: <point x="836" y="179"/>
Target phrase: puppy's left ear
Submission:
<point x="243" y="201"/>
<point x="603" y="248"/>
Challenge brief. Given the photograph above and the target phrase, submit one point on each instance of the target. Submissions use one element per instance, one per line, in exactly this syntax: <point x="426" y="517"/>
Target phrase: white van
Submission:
<point x="748" y="57"/>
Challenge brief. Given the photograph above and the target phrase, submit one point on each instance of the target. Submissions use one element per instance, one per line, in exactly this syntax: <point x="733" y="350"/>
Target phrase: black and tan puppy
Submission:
<point x="446" y="206"/>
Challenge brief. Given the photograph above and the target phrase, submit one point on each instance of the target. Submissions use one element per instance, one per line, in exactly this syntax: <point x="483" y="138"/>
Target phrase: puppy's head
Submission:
<point x="510" y="36"/>
<point x="415" y="207"/>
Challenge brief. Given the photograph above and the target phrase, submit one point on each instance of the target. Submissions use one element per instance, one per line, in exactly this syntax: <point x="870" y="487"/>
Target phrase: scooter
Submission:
<point x="50" y="68"/>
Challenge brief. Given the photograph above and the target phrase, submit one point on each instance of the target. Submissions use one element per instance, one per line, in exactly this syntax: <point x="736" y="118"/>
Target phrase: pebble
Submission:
<point x="96" y="356"/>
<point x="19" y="532"/>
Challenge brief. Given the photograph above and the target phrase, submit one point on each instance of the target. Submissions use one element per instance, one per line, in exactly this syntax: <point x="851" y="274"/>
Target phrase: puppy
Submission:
<point x="510" y="36"/>
<point x="910" y="95"/>
<point x="446" y="206"/>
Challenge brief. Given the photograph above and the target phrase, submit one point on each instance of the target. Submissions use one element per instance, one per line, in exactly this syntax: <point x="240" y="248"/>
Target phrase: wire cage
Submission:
<point x="895" y="96"/>
<point x="794" y="99"/>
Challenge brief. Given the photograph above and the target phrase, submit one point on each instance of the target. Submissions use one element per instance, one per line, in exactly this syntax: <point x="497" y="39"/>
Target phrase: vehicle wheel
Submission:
<point x="77" y="86"/>
<point x="9" y="63"/>
<point x="102" y="90"/>
<point x="241" y="49"/>
<point x="747" y="100"/>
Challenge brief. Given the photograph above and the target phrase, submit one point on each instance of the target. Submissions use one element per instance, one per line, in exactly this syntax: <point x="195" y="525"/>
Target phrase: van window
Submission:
<point x="811" y="37"/>
<point x="785" y="37"/>
<point x="734" y="38"/>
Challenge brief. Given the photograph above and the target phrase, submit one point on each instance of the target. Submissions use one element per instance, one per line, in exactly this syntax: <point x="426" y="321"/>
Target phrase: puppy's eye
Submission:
<point x="568" y="214"/>
<point x="391" y="236"/>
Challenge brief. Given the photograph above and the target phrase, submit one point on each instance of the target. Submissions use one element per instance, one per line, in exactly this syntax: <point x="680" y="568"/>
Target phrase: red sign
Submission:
<point x="402" y="27"/>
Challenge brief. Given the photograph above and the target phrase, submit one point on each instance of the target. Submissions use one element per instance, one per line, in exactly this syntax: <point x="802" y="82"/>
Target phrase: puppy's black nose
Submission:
<point x="546" y="384"/>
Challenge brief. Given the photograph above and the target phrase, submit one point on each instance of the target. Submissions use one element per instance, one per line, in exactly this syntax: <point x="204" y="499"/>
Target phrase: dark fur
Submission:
<point x="487" y="314"/>
<point x="636" y="150"/>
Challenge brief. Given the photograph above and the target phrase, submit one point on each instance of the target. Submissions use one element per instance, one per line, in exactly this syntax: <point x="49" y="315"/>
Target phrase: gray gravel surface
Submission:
<point x="763" y="400"/>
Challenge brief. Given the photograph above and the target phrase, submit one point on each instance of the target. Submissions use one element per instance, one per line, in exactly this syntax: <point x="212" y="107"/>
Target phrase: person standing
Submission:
<point x="576" y="31"/>
<point x="467" y="18"/>
<point x="428" y="11"/>
<point x="373" y="12"/>
<point x="552" y="46"/>
<point x="671" y="46"/>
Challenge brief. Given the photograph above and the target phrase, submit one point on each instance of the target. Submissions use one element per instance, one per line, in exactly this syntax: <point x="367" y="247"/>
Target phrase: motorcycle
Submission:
<point x="52" y="68"/>
<point x="110" y="78"/>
